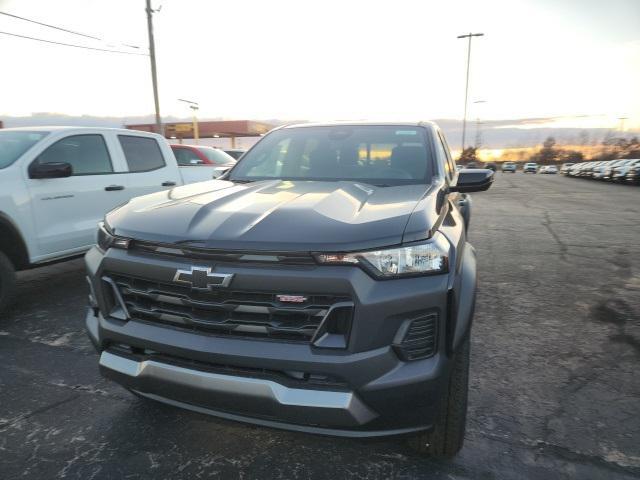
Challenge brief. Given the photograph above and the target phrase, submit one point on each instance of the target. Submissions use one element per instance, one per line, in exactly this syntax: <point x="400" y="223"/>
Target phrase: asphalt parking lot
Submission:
<point x="555" y="389"/>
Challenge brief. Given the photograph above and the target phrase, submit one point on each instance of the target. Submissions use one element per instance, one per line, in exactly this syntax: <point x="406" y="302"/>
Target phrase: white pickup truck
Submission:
<point x="56" y="184"/>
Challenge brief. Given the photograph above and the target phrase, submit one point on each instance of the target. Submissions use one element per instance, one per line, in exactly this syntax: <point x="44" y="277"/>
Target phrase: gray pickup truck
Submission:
<point x="324" y="284"/>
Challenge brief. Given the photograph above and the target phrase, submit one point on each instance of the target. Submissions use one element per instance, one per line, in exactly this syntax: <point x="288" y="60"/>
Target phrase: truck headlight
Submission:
<point x="426" y="258"/>
<point x="107" y="240"/>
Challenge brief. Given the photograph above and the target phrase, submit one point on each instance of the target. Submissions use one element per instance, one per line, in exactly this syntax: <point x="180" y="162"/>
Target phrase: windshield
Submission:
<point x="372" y="154"/>
<point x="217" y="156"/>
<point x="13" y="144"/>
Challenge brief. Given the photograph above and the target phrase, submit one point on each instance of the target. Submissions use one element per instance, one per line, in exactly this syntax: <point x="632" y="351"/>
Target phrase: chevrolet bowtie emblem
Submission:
<point x="202" y="278"/>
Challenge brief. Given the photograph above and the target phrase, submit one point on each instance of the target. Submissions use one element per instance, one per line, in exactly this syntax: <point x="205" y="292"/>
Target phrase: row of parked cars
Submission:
<point x="529" y="167"/>
<point x="626" y="170"/>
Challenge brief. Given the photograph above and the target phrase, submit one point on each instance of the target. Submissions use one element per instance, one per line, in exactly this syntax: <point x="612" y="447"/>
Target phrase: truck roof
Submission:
<point x="59" y="128"/>
<point x="361" y="123"/>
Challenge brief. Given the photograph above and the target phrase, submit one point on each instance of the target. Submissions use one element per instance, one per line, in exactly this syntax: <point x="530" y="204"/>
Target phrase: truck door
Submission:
<point x="67" y="210"/>
<point x="152" y="167"/>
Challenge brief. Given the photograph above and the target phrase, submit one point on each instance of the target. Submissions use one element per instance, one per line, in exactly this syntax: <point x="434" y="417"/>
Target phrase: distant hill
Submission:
<point x="494" y="133"/>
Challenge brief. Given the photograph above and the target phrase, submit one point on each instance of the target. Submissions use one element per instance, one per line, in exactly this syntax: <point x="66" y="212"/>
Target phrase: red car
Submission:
<point x="189" y="155"/>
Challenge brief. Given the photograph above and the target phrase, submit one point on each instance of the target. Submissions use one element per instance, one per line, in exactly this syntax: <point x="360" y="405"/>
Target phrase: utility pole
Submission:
<point x="466" y="88"/>
<point x="154" y="75"/>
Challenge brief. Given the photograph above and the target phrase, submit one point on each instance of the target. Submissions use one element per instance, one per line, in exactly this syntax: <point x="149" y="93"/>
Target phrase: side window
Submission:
<point x="142" y="153"/>
<point x="87" y="154"/>
<point x="187" y="157"/>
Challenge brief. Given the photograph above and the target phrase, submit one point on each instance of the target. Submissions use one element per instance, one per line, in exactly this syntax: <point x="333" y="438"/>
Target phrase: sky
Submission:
<point x="575" y="61"/>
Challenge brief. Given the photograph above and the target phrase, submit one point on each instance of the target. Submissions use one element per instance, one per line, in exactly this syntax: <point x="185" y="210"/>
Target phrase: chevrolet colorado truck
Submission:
<point x="56" y="184"/>
<point x="324" y="284"/>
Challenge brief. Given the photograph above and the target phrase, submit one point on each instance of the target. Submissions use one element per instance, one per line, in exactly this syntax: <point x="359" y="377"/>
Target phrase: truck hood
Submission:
<point x="275" y="215"/>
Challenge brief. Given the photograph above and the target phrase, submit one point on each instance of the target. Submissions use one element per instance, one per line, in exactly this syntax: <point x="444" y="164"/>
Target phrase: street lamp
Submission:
<point x="466" y="88"/>
<point x="194" y="106"/>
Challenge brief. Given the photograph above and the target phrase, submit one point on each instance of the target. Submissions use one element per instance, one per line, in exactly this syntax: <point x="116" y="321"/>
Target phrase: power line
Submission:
<point x="60" y="28"/>
<point x="73" y="45"/>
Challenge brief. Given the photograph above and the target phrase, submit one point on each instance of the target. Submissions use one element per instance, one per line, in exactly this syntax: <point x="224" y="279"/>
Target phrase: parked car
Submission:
<point x="187" y="155"/>
<point x="530" y="167"/>
<point x="472" y="165"/>
<point x="586" y="169"/>
<point x="509" y="167"/>
<point x="619" y="173"/>
<point x="574" y="169"/>
<point x="56" y="184"/>
<point x="566" y="167"/>
<point x="600" y="170"/>
<point x="613" y="167"/>
<point x="236" y="153"/>
<point x="633" y="174"/>
<point x="549" y="169"/>
<point x="491" y="166"/>
<point x="328" y="288"/>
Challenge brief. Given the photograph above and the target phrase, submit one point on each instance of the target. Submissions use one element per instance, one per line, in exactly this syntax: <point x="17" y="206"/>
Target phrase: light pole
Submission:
<point x="194" y="106"/>
<point x="466" y="88"/>
<point x="152" y="57"/>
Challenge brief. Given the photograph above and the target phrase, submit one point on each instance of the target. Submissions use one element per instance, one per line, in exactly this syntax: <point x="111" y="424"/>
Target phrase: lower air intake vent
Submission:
<point x="417" y="337"/>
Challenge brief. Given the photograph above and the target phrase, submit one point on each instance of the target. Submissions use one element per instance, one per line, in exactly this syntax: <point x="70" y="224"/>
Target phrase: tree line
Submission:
<point x="612" y="148"/>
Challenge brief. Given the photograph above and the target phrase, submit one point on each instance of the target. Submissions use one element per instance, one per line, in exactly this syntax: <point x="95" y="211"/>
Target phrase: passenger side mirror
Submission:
<point x="475" y="180"/>
<point x="50" y="170"/>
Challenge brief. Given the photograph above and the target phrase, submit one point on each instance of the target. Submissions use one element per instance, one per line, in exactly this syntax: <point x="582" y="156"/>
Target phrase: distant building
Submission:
<point x="221" y="133"/>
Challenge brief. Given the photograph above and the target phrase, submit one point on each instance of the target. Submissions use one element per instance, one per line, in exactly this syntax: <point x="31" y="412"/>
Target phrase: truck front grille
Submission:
<point x="230" y="312"/>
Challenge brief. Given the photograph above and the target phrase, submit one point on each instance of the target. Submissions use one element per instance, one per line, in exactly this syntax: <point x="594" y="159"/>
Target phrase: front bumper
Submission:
<point x="265" y="397"/>
<point x="396" y="397"/>
<point x="248" y="379"/>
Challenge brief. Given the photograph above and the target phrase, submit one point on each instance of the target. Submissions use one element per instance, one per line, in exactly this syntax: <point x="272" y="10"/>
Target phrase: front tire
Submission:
<point x="7" y="281"/>
<point x="447" y="437"/>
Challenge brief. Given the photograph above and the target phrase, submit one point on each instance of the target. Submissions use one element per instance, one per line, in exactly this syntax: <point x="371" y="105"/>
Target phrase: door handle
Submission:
<point x="112" y="188"/>
<point x="168" y="184"/>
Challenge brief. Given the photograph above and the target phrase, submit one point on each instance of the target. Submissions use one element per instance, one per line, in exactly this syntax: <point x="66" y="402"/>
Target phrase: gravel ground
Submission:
<point x="555" y="389"/>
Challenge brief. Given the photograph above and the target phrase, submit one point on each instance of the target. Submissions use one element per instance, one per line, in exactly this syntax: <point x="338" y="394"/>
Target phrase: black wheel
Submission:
<point x="7" y="281"/>
<point x="447" y="436"/>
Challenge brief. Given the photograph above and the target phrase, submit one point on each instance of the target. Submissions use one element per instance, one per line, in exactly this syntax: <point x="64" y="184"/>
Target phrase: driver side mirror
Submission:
<point x="474" y="180"/>
<point x="50" y="170"/>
